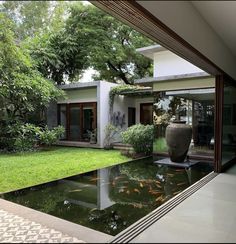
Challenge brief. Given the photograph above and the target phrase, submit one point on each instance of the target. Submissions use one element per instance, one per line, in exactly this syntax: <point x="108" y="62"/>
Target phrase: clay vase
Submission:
<point x="178" y="137"/>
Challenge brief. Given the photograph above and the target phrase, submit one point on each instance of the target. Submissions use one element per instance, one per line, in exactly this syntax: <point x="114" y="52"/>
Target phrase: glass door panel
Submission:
<point x="131" y="116"/>
<point x="229" y="123"/>
<point x="74" y="123"/>
<point x="146" y="115"/>
<point x="194" y="107"/>
<point x="88" y="118"/>
<point x="63" y="119"/>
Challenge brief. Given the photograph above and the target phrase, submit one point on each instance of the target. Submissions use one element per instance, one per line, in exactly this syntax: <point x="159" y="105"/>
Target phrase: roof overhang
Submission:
<point x="150" y="50"/>
<point x="145" y="91"/>
<point x="150" y="80"/>
<point x="79" y="85"/>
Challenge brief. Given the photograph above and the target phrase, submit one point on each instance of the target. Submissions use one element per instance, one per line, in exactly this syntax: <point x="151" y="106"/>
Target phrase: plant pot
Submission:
<point x="108" y="147"/>
<point x="178" y="138"/>
<point x="93" y="139"/>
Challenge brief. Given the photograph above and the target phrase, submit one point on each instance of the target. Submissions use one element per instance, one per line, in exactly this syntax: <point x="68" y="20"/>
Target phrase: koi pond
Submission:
<point x="110" y="199"/>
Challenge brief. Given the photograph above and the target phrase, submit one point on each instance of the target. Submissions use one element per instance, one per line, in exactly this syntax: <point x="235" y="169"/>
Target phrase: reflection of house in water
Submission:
<point x="90" y="190"/>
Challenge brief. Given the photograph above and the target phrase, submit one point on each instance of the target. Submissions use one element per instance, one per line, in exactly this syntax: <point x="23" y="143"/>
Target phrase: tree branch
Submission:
<point x="119" y="72"/>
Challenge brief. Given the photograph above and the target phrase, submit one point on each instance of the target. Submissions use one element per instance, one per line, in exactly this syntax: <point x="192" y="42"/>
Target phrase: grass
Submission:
<point x="27" y="169"/>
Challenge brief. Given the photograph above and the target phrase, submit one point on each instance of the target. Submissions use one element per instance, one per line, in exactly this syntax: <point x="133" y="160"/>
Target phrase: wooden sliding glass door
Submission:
<point x="78" y="119"/>
<point x="146" y="113"/>
<point x="74" y="122"/>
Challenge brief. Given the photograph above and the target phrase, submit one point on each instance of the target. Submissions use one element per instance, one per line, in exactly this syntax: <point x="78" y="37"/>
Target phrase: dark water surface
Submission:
<point x="112" y="198"/>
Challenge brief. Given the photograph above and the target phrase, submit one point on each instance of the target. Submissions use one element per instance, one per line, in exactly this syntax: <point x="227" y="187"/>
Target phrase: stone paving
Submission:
<point x="15" y="229"/>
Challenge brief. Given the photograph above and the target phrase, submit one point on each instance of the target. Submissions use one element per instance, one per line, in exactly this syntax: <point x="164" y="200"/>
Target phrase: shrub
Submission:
<point x="47" y="137"/>
<point x="140" y="137"/>
<point x="19" y="137"/>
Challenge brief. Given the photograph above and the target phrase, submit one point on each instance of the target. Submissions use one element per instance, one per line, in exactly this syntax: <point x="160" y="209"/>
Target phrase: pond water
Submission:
<point x="112" y="198"/>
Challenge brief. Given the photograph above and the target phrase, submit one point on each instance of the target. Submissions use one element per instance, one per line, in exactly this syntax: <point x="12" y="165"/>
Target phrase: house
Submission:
<point x="86" y="108"/>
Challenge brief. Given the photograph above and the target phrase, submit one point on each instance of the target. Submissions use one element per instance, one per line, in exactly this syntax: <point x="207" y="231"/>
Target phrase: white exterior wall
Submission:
<point x="103" y="109"/>
<point x="121" y="104"/>
<point x="167" y="63"/>
<point x="80" y="95"/>
<point x="100" y="94"/>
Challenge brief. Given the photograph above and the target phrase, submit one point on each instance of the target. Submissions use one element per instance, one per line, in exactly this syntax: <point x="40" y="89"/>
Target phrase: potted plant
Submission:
<point x="93" y="136"/>
<point x="178" y="137"/>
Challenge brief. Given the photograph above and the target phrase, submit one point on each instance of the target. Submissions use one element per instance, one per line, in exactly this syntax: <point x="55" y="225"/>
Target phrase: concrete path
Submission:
<point x="207" y="216"/>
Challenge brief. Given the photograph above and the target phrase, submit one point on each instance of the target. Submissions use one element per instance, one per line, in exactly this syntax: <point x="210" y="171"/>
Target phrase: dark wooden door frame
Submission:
<point x="141" y="105"/>
<point x="219" y="93"/>
<point x="133" y="109"/>
<point x="219" y="98"/>
<point x="75" y="105"/>
<point x="80" y="105"/>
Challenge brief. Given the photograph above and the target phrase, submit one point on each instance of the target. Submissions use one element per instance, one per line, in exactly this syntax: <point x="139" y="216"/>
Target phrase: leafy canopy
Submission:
<point x="90" y="38"/>
<point x="22" y="88"/>
<point x="34" y="17"/>
<point x="112" y="44"/>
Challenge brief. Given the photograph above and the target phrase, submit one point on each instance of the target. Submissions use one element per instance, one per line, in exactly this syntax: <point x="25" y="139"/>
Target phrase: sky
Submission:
<point x="87" y="76"/>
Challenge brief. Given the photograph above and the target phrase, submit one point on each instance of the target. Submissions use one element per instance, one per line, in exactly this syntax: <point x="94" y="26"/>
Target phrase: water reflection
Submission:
<point x="110" y="199"/>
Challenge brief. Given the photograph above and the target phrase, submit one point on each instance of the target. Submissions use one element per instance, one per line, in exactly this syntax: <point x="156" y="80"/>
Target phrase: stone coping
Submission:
<point x="69" y="229"/>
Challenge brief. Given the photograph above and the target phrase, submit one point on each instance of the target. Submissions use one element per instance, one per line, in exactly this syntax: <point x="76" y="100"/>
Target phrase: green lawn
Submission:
<point x="28" y="169"/>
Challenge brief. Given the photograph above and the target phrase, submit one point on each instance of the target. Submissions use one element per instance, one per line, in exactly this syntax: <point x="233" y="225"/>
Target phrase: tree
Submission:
<point x="22" y="88"/>
<point x="34" y="17"/>
<point x="112" y="44"/>
<point x="90" y="38"/>
<point x="59" y="56"/>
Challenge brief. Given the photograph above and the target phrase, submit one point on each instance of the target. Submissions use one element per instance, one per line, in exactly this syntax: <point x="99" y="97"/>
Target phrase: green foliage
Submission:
<point x="19" y="137"/>
<point x="26" y="138"/>
<point x="25" y="93"/>
<point x="22" y="88"/>
<point x="90" y="38"/>
<point x="117" y="90"/>
<point x="65" y="38"/>
<point x="38" y="26"/>
<point x="111" y="44"/>
<point x="110" y="132"/>
<point x="12" y="59"/>
<point x="140" y="137"/>
<point x="47" y="137"/>
<point x="34" y="17"/>
<point x="59" y="55"/>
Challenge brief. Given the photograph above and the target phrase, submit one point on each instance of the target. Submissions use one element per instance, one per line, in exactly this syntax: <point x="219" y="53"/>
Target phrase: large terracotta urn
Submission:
<point x="178" y="137"/>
